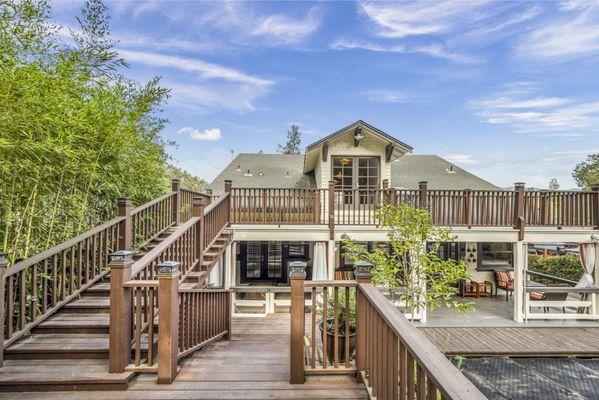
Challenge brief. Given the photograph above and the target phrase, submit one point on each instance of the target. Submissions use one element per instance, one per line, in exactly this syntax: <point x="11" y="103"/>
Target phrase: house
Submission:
<point x="144" y="292"/>
<point x="281" y="208"/>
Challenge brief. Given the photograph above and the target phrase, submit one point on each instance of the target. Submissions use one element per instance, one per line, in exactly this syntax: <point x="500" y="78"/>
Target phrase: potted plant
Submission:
<point x="346" y="329"/>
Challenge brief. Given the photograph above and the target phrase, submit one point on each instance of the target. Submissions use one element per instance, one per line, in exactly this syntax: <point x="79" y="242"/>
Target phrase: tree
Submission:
<point x="553" y="184"/>
<point x="75" y="134"/>
<point x="586" y="173"/>
<point x="424" y="279"/>
<point x="293" y="141"/>
<point x="188" y="181"/>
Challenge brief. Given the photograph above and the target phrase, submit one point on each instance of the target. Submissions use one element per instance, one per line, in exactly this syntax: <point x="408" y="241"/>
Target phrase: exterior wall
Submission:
<point x="344" y="146"/>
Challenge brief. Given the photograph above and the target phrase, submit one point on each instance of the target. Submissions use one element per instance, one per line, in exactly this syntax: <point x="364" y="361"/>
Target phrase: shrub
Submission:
<point x="566" y="266"/>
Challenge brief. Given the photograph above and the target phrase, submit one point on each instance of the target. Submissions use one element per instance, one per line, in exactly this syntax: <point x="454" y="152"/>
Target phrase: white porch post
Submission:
<point x="520" y="261"/>
<point x="331" y="260"/>
<point x="229" y="266"/>
<point x="594" y="305"/>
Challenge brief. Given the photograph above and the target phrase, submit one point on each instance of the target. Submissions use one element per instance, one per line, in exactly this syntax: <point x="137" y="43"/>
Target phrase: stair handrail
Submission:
<point x="38" y="286"/>
<point x="189" y="254"/>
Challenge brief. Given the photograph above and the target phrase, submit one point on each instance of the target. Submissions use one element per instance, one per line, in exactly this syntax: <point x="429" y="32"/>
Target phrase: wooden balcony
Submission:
<point x="468" y="208"/>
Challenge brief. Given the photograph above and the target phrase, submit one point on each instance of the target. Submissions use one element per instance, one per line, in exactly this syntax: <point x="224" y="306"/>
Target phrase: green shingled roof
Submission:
<point x="286" y="171"/>
<point x="267" y="171"/>
<point x="408" y="170"/>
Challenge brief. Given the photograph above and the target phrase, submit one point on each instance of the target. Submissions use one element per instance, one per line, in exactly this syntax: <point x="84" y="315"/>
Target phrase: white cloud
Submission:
<point x="573" y="34"/>
<point x="281" y="29"/>
<point x="461" y="158"/>
<point x="203" y="98"/>
<point x="203" y="69"/>
<point x="385" y="96"/>
<point x="210" y="134"/>
<point x="552" y="116"/>
<point x="440" y="51"/>
<point x="344" y="44"/>
<point x="402" y="19"/>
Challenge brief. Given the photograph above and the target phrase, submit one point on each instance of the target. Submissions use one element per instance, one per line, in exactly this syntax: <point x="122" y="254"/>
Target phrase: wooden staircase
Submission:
<point x="69" y="350"/>
<point x="199" y="277"/>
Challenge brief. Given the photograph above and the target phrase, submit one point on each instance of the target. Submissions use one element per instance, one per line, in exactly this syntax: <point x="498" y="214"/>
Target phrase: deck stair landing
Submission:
<point x="254" y="364"/>
<point x="68" y="351"/>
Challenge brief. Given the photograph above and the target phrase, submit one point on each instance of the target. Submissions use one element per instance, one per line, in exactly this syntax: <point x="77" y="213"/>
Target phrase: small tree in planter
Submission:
<point x="423" y="277"/>
<point x="346" y="328"/>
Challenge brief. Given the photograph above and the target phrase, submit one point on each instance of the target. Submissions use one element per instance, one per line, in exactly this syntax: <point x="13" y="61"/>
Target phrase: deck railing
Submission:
<point x="151" y="292"/>
<point x="186" y="319"/>
<point x="277" y="206"/>
<point x="500" y="208"/>
<point x="392" y="358"/>
<point x="33" y="289"/>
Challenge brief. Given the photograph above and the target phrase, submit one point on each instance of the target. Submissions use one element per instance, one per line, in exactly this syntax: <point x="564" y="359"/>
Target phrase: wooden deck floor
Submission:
<point x="253" y="365"/>
<point x="517" y="342"/>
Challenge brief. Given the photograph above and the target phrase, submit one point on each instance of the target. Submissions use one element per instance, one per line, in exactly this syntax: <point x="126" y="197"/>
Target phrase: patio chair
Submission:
<point x="556" y="297"/>
<point x="504" y="281"/>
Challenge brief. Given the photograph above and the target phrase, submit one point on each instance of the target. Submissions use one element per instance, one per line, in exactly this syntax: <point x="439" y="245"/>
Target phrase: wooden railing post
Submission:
<point x="228" y="187"/>
<point x="385" y="198"/>
<point x="544" y="207"/>
<point x="468" y="207"/>
<point x="362" y="274"/>
<point x="297" y="275"/>
<point x="209" y="194"/>
<point x="198" y="211"/>
<point x="176" y="187"/>
<point x="518" y="203"/>
<point x="168" y="320"/>
<point x="3" y="265"/>
<point x="595" y="204"/>
<point x="120" y="311"/>
<point x="125" y="226"/>
<point x="331" y="194"/>
<point x="422" y="193"/>
<point x="317" y="206"/>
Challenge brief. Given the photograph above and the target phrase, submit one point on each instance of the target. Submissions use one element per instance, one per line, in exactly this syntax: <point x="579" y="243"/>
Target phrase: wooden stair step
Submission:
<point x="48" y="376"/>
<point x="88" y="304"/>
<point x="75" y="323"/>
<point x="99" y="290"/>
<point x="59" y="346"/>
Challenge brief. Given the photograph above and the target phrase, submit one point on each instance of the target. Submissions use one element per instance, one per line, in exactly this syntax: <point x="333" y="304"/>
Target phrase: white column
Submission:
<point x="229" y="266"/>
<point x="520" y="261"/>
<point x="331" y="259"/>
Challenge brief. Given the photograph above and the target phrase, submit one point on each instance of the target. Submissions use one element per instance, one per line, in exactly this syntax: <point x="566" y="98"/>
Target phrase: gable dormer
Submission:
<point x="358" y="156"/>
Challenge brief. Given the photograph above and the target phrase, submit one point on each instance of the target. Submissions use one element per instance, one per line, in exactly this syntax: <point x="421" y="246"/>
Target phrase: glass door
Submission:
<point x="261" y="263"/>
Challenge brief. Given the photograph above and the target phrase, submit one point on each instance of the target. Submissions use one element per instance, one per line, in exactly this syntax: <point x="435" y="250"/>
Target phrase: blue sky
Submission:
<point x="507" y="90"/>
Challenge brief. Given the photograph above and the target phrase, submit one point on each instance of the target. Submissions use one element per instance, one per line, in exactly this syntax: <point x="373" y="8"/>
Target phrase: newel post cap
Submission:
<point x="120" y="258"/>
<point x="362" y="269"/>
<point x="595" y="187"/>
<point x="198" y="201"/>
<point x="519" y="185"/>
<point x="422" y="183"/>
<point x="123" y="201"/>
<point x="297" y="269"/>
<point x="3" y="259"/>
<point x="169" y="269"/>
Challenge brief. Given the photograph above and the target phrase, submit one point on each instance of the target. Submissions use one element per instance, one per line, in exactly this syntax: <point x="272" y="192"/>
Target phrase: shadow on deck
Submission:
<point x="253" y="365"/>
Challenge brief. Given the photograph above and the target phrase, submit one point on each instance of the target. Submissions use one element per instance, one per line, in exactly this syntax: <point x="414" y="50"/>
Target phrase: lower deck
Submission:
<point x="254" y="364"/>
<point x="516" y="342"/>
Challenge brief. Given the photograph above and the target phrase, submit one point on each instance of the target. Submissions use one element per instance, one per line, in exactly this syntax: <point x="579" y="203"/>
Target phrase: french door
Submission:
<point x="355" y="176"/>
<point x="266" y="262"/>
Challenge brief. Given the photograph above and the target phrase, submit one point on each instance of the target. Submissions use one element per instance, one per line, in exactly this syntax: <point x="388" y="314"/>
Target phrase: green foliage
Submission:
<point x="74" y="133"/>
<point x="423" y="277"/>
<point x="188" y="181"/>
<point x="294" y="138"/>
<point x="567" y="266"/>
<point x="342" y="321"/>
<point x="586" y="173"/>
